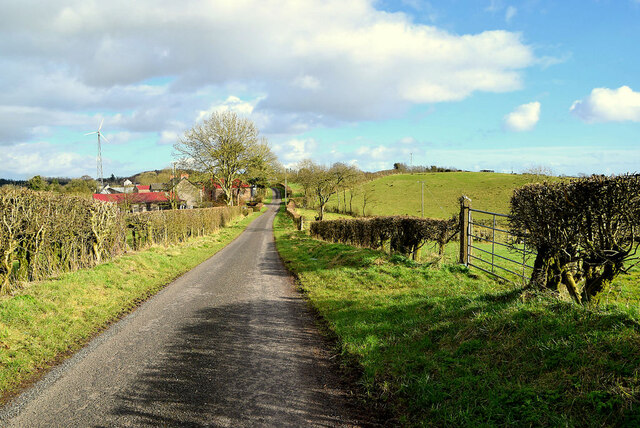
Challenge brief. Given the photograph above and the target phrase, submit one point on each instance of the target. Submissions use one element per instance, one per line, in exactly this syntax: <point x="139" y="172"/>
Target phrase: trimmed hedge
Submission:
<point x="585" y="231"/>
<point x="404" y="235"/>
<point x="173" y="226"/>
<point x="298" y="220"/>
<point x="44" y="233"/>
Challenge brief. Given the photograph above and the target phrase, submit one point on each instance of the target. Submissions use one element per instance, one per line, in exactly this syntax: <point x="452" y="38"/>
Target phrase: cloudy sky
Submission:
<point x="475" y="84"/>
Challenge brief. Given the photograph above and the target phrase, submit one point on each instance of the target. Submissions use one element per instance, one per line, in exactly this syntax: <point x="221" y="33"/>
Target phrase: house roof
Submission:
<point x="158" y="186"/>
<point x="133" y="198"/>
<point x="236" y="183"/>
<point x="140" y="187"/>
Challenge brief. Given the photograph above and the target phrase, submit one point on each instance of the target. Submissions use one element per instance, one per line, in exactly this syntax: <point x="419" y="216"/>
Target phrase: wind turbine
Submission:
<point x="99" y="157"/>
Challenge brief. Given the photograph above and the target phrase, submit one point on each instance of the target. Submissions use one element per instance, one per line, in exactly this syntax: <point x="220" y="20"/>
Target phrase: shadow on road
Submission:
<point x="247" y="363"/>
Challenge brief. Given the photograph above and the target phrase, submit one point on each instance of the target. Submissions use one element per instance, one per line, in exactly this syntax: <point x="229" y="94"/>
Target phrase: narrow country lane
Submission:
<point x="230" y="343"/>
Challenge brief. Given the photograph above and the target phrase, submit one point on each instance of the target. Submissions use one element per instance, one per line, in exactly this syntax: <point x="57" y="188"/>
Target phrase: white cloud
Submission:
<point x="152" y="67"/>
<point x="510" y="13"/>
<point x="169" y="137"/>
<point x="609" y="105"/>
<point x="523" y="118"/>
<point x="407" y="140"/>
<point x="232" y="103"/>
<point x="494" y="5"/>
<point x="338" y="60"/>
<point x="26" y="160"/>
<point x="295" y="150"/>
<point x="307" y="82"/>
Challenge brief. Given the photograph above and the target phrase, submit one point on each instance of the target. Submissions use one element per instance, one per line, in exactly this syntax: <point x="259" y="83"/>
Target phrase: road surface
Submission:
<point x="230" y="343"/>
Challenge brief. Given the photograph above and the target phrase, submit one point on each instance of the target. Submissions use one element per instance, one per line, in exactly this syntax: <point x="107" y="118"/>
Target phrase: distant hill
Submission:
<point x="400" y="194"/>
<point x="4" y="181"/>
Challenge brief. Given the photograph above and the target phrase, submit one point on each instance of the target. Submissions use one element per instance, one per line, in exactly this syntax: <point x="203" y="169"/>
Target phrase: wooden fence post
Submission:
<point x="465" y="204"/>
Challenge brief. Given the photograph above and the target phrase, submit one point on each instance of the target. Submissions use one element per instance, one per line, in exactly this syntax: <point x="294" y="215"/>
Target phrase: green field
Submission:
<point x="442" y="345"/>
<point x="400" y="194"/>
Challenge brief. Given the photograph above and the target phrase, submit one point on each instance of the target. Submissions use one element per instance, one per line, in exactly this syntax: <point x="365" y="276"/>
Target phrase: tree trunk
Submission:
<point x="344" y="199"/>
<point x="572" y="287"/>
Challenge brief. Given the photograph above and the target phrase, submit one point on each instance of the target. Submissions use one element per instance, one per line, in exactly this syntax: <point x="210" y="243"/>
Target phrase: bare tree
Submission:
<point x="368" y="196"/>
<point x="321" y="181"/>
<point x="345" y="177"/>
<point x="225" y="148"/>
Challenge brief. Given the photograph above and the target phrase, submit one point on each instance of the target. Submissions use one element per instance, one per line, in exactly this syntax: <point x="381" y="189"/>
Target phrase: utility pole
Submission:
<point x="285" y="186"/>
<point x="174" y="201"/>
<point x="411" y="159"/>
<point x="422" y="198"/>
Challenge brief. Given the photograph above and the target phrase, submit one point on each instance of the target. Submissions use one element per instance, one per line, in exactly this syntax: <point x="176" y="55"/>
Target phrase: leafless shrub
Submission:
<point x="45" y="233"/>
<point x="404" y="235"/>
<point x="585" y="231"/>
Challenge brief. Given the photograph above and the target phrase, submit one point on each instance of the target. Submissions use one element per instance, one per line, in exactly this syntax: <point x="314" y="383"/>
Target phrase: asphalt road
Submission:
<point x="230" y="343"/>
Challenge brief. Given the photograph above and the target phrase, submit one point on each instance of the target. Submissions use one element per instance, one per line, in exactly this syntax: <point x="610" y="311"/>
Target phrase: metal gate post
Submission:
<point x="465" y="204"/>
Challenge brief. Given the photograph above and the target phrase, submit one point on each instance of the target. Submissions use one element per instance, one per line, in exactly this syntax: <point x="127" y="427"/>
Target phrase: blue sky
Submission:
<point x="476" y="84"/>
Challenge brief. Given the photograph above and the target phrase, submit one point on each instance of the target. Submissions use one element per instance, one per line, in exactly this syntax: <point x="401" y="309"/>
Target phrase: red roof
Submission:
<point x="235" y="184"/>
<point x="132" y="198"/>
<point x="143" y="187"/>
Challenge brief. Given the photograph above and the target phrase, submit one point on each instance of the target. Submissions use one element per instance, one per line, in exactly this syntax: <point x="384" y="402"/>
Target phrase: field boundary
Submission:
<point x="511" y="268"/>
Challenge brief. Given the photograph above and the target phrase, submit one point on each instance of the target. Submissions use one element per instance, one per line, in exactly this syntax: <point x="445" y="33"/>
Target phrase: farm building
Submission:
<point x="188" y="192"/>
<point x="137" y="202"/>
<point x="241" y="191"/>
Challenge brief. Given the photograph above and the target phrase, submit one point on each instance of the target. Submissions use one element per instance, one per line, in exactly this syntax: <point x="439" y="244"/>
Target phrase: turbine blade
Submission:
<point x="89" y="133"/>
<point x="100" y="127"/>
<point x="105" y="138"/>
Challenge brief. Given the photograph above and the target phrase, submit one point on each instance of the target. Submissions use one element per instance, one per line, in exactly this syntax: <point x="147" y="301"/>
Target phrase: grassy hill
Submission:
<point x="400" y="194"/>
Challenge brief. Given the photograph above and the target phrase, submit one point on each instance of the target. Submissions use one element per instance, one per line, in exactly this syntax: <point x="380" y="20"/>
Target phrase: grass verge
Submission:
<point x="48" y="320"/>
<point x="447" y="348"/>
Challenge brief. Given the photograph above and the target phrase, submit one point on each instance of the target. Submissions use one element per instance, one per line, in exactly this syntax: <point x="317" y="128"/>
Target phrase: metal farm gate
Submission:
<point x="486" y="244"/>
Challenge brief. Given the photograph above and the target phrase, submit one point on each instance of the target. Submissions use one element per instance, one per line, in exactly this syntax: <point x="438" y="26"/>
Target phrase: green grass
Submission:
<point x="446" y="347"/>
<point x="310" y="215"/>
<point x="296" y="188"/>
<point x="400" y="194"/>
<point x="47" y="320"/>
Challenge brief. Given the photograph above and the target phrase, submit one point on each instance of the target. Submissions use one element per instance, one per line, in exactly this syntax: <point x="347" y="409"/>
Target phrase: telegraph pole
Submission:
<point x="285" y="186"/>
<point x="422" y="198"/>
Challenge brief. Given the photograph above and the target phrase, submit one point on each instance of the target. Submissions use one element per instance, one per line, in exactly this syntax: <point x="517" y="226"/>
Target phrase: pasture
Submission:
<point x="400" y="194"/>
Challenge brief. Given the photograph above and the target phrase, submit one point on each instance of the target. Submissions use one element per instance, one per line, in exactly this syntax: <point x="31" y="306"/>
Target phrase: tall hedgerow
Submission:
<point x="404" y="235"/>
<point x="585" y="231"/>
<point x="45" y="233"/>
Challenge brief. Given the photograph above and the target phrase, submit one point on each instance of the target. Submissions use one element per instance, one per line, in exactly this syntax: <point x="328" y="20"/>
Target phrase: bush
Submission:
<point x="45" y="233"/>
<point x="585" y="231"/>
<point x="297" y="218"/>
<point x="404" y="235"/>
<point x="173" y="226"/>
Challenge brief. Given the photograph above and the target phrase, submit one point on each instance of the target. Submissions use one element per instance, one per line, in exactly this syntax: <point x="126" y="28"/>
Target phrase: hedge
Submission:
<point x="585" y="231"/>
<point x="44" y="233"/>
<point x="404" y="235"/>
<point x="173" y="226"/>
<point x="298" y="220"/>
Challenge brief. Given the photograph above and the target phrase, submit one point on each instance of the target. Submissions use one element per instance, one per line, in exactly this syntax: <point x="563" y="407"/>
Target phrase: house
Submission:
<point x="137" y="202"/>
<point x="240" y="190"/>
<point x="188" y="192"/>
<point x="127" y="187"/>
<point x="142" y="189"/>
<point x="158" y="187"/>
